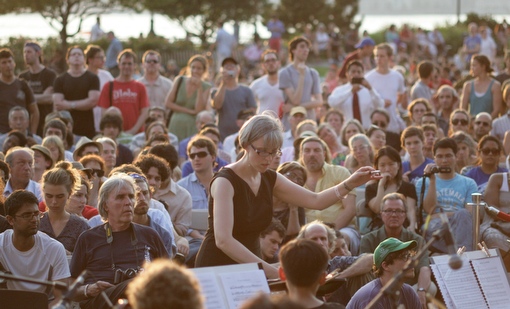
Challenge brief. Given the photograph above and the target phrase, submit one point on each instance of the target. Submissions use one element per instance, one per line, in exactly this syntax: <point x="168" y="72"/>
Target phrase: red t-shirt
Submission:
<point x="130" y="97"/>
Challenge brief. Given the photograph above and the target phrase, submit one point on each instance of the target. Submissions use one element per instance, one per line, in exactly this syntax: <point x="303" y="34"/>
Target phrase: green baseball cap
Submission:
<point x="388" y="246"/>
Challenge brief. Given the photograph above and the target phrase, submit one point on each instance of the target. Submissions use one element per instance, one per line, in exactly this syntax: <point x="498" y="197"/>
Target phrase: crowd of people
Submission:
<point x="102" y="172"/>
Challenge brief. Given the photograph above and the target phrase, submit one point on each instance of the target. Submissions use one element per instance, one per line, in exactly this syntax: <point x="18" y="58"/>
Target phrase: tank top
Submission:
<point x="478" y="104"/>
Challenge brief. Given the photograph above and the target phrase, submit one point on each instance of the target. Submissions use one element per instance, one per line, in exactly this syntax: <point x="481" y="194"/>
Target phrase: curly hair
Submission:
<point x="145" y="162"/>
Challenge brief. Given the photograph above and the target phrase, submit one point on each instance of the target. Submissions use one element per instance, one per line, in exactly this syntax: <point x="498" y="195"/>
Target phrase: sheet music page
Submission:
<point x="214" y="298"/>
<point x="461" y="286"/>
<point x="492" y="277"/>
<point x="448" y="301"/>
<point x="240" y="286"/>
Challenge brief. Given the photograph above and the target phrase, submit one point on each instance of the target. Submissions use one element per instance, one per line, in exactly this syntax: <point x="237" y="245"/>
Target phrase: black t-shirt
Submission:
<point x="4" y="224"/>
<point x="77" y="88"/>
<point x="39" y="82"/>
<point x="16" y="93"/>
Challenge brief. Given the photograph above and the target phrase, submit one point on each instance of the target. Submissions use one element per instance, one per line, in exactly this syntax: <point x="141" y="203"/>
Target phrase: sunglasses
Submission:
<point x="463" y="122"/>
<point x="485" y="124"/>
<point x="380" y="124"/>
<point x="492" y="151"/>
<point x="200" y="154"/>
<point x="98" y="173"/>
<point x="152" y="61"/>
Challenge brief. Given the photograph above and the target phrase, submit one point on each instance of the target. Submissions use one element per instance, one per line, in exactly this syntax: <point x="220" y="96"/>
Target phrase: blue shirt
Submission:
<point x="198" y="192"/>
<point x="32" y="186"/>
<point x="481" y="178"/>
<point x="417" y="172"/>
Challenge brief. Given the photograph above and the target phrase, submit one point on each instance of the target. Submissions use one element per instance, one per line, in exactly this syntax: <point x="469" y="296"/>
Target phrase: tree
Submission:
<point x="199" y="17"/>
<point x="58" y="13"/>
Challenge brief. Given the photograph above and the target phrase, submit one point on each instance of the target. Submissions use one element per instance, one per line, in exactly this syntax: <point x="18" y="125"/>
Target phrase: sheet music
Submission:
<point x="211" y="290"/>
<point x="493" y="281"/>
<point x="461" y="286"/>
<point x="240" y="286"/>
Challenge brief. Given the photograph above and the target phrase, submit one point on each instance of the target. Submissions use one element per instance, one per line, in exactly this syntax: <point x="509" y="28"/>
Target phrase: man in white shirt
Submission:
<point x="266" y="88"/>
<point x="157" y="85"/>
<point x="357" y="90"/>
<point x="25" y="245"/>
<point x="389" y="84"/>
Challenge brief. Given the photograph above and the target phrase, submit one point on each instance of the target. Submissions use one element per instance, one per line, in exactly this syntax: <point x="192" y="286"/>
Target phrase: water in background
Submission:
<point x="127" y="25"/>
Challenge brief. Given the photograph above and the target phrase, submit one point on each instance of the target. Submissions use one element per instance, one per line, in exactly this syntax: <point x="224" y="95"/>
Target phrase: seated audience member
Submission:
<point x="141" y="212"/>
<point x="116" y="250"/>
<point x="292" y="217"/>
<point x="304" y="129"/>
<point x="97" y="175"/>
<point x="430" y="118"/>
<point x="153" y="129"/>
<point x="67" y="119"/>
<point x="78" y="201"/>
<point x="459" y="121"/>
<point x="482" y="125"/>
<point x="24" y="245"/>
<point x="14" y="139"/>
<point x="42" y="161"/>
<point x="221" y="156"/>
<point x="356" y="269"/>
<point x="381" y="118"/>
<point x="341" y="247"/>
<point x="58" y="128"/>
<point x="493" y="231"/>
<point x="388" y="162"/>
<point x="336" y="119"/>
<point x="416" y="109"/>
<point x="412" y="141"/>
<point x="58" y="184"/>
<point x="361" y="153"/>
<point x="203" y="118"/>
<point x="19" y="120"/>
<point x="446" y="100"/>
<point x="447" y="193"/>
<point x="229" y="141"/>
<point x="86" y="146"/>
<point x="377" y="137"/>
<point x="21" y="162"/>
<point x="351" y="128"/>
<point x="321" y="176"/>
<point x="337" y="150"/>
<point x="176" y="199"/>
<point x="467" y="148"/>
<point x="430" y="135"/>
<point x="111" y="126"/>
<point x="156" y="114"/>
<point x="164" y="284"/>
<point x="109" y="153"/>
<point x="303" y="265"/>
<point x="168" y="153"/>
<point x="489" y="152"/>
<point x="57" y="151"/>
<point x="394" y="208"/>
<point x="270" y="240"/>
<point x="390" y="257"/>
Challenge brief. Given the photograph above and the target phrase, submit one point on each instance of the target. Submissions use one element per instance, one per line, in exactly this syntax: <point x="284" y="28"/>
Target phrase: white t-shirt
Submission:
<point x="389" y="86"/>
<point x="104" y="77"/>
<point x="268" y="97"/>
<point x="45" y="261"/>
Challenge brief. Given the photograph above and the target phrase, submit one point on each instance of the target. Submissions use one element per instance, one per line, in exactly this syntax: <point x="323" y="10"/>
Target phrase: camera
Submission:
<point x="123" y="275"/>
<point x="357" y="80"/>
<point x="179" y="258"/>
<point x="231" y="73"/>
<point x="376" y="173"/>
<point x="437" y="169"/>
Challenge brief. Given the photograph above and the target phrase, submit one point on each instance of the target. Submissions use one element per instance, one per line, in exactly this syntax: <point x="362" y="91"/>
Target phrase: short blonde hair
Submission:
<point x="265" y="126"/>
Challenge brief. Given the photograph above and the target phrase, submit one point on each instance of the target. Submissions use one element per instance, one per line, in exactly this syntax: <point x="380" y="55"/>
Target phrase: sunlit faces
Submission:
<point x="55" y="196"/>
<point x="22" y="166"/>
<point x="197" y="69"/>
<point x="378" y="139"/>
<point x="460" y="122"/>
<point x="301" y="51"/>
<point x="90" y="149"/>
<point x="54" y="152"/>
<point x="413" y="145"/>
<point x="98" y="60"/>
<point x="154" y="178"/>
<point x="446" y="99"/>
<point x="327" y="135"/>
<point x="313" y="155"/>
<point x="379" y="120"/>
<point x="26" y="220"/>
<point x="40" y="162"/>
<point x="430" y="138"/>
<point x="77" y="201"/>
<point x="18" y="120"/>
<point x="418" y="111"/>
<point x="490" y="152"/>
<point x="152" y="63"/>
<point x="30" y="55"/>
<point x="482" y="125"/>
<point x="127" y="66"/>
<point x="119" y="205"/>
<point x="393" y="214"/>
<point x="7" y="66"/>
<point x="351" y="130"/>
<point x="271" y="63"/>
<point x="360" y="150"/>
<point x="319" y="234"/>
<point x="335" y="121"/>
<point x="445" y="157"/>
<point x="142" y="198"/>
<point x="260" y="157"/>
<point x="201" y="159"/>
<point x="476" y="69"/>
<point x="109" y="155"/>
<point x="387" y="166"/>
<point x="269" y="244"/>
<point x="76" y="57"/>
<point x="354" y="72"/>
<point x="381" y="57"/>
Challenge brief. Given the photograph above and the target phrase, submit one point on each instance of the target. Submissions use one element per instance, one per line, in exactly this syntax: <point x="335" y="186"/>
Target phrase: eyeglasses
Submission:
<point x="295" y="178"/>
<point x="380" y="124"/>
<point x="200" y="154"/>
<point x="463" y="122"/>
<point x="265" y="154"/>
<point x="152" y="61"/>
<point x="405" y="256"/>
<point x="97" y="172"/>
<point x="485" y="124"/>
<point x="30" y="215"/>
<point x="394" y="212"/>
<point x="490" y="151"/>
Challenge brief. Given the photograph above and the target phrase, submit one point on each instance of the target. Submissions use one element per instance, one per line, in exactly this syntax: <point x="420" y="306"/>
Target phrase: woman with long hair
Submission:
<point x="338" y="152"/>
<point x="417" y="108"/>
<point x="466" y="154"/>
<point x="109" y="153"/>
<point x="240" y="203"/>
<point x="377" y="137"/>
<point x="388" y="161"/>
<point x="361" y="153"/>
<point x="351" y="128"/>
<point x="55" y="146"/>
<point x="78" y="201"/>
<point x="483" y="93"/>
<point x="188" y="97"/>
<point x="58" y="184"/>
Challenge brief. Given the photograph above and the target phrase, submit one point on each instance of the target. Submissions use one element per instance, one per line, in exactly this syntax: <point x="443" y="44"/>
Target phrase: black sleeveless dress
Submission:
<point x="252" y="214"/>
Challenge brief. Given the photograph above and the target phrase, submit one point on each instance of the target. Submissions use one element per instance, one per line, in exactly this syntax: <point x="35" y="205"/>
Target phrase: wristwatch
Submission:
<point x="421" y="290"/>
<point x="73" y="105"/>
